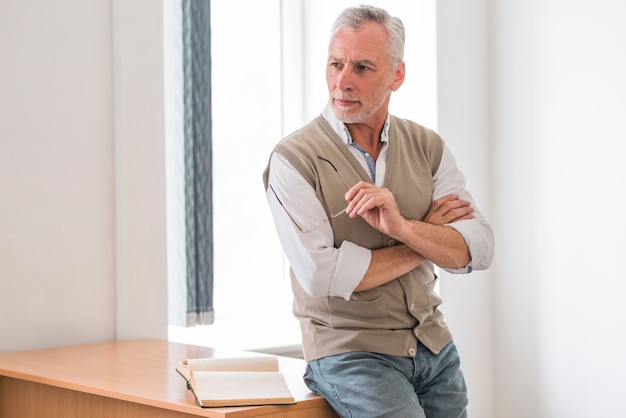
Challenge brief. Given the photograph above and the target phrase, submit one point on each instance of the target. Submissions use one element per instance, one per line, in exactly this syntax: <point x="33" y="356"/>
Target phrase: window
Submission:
<point x="268" y="61"/>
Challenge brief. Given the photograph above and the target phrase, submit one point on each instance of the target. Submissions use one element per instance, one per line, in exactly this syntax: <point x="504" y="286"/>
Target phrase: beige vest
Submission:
<point x="387" y="319"/>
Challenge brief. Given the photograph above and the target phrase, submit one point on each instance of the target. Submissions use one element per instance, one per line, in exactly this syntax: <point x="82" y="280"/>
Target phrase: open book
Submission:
<point x="236" y="381"/>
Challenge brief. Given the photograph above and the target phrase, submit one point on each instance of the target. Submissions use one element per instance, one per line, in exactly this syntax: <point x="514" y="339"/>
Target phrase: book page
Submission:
<point x="235" y="364"/>
<point x="264" y="363"/>
<point x="213" y="389"/>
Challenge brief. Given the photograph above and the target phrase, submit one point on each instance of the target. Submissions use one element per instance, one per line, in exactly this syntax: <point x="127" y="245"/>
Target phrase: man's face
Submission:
<point x="360" y="76"/>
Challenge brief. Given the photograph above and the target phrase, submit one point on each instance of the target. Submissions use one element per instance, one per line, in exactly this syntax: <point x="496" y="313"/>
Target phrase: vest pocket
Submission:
<point x="432" y="297"/>
<point x="358" y="314"/>
<point x="421" y="298"/>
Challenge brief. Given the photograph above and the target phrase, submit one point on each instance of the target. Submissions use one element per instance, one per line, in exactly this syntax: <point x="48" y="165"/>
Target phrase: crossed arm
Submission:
<point x="429" y="239"/>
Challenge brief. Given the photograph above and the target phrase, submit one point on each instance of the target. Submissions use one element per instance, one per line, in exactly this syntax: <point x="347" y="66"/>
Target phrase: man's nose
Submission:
<point x="344" y="80"/>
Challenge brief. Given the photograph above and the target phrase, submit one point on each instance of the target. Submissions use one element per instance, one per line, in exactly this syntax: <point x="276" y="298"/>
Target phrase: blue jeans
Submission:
<point x="362" y="384"/>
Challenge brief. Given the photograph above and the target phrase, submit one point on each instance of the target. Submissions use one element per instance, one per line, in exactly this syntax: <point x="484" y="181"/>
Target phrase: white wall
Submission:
<point x="544" y="82"/>
<point x="558" y="178"/>
<point x="463" y="112"/>
<point x="82" y="249"/>
<point x="56" y="174"/>
<point x="140" y="180"/>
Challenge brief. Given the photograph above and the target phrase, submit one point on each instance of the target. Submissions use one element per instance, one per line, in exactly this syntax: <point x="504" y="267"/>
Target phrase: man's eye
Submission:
<point x="362" y="68"/>
<point x="335" y="65"/>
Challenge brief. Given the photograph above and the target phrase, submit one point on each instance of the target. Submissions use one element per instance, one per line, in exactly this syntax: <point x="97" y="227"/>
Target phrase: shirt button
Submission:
<point x="412" y="306"/>
<point x="391" y="242"/>
<point x="412" y="352"/>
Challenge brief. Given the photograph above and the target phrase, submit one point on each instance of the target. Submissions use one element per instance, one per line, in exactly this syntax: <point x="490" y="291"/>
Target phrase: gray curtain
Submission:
<point x="198" y="160"/>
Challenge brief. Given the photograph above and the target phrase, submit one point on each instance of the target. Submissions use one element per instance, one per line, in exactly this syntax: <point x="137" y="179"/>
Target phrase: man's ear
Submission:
<point x="398" y="76"/>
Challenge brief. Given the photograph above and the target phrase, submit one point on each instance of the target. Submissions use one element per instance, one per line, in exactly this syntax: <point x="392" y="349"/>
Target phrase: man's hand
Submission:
<point x="378" y="207"/>
<point x="448" y="209"/>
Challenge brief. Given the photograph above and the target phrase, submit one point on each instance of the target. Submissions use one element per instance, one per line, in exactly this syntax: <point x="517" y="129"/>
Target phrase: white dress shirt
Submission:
<point x="322" y="269"/>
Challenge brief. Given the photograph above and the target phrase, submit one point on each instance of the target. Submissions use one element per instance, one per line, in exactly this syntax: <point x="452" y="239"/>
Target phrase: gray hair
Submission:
<point x="354" y="17"/>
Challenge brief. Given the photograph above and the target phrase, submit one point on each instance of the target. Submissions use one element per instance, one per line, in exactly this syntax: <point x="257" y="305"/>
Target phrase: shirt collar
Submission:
<point x="340" y="128"/>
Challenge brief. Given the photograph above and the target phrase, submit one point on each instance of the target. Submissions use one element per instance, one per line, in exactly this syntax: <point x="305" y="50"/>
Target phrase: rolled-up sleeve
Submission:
<point x="307" y="238"/>
<point x="477" y="232"/>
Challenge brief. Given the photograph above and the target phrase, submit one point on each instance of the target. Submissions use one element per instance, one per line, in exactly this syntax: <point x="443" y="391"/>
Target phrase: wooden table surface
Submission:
<point x="143" y="372"/>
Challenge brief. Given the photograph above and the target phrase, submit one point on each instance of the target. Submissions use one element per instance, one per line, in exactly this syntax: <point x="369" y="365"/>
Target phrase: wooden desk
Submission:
<point x="128" y="379"/>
